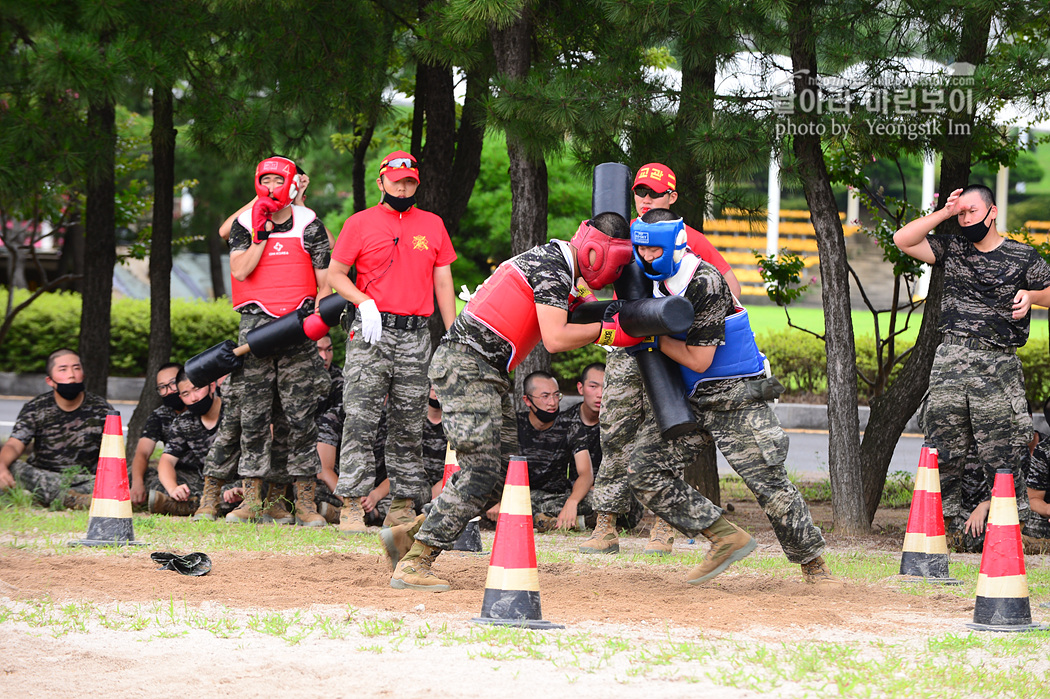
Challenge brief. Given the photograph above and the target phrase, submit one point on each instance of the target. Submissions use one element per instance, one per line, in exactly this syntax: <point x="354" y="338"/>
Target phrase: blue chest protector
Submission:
<point x="737" y="358"/>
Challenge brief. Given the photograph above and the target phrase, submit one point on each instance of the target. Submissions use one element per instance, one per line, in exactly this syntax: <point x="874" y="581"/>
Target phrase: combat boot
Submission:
<point x="73" y="500"/>
<point x="161" y="504"/>
<point x="398" y="540"/>
<point x="274" y="511"/>
<point x="306" y="514"/>
<point x="402" y="511"/>
<point x="329" y="511"/>
<point x="210" y="500"/>
<point x="352" y="517"/>
<point x="544" y="523"/>
<point x="604" y="539"/>
<point x="661" y="539"/>
<point x="729" y="544"/>
<point x="816" y="572"/>
<point x="413" y="571"/>
<point x="250" y="508"/>
<point x="1034" y="546"/>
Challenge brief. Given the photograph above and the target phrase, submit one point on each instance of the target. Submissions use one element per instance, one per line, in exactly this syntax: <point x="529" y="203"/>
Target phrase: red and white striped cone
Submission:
<point x="925" y="553"/>
<point x="512" y="587"/>
<point x="1002" y="586"/>
<point x="470" y="540"/>
<point x="109" y="520"/>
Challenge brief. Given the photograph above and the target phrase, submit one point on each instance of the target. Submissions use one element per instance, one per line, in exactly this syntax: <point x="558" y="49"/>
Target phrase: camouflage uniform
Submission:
<point x="65" y="445"/>
<point x="158" y="424"/>
<point x="976" y="407"/>
<point x="1039" y="479"/>
<point x="470" y="378"/>
<point x="434" y="447"/>
<point x="744" y="429"/>
<point x="189" y="443"/>
<point x="330" y="416"/>
<point x="550" y="455"/>
<point x="395" y="368"/>
<point x="287" y="383"/>
<point x="225" y="450"/>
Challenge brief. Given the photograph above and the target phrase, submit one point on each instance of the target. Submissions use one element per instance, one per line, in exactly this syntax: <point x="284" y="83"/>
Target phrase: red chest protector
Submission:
<point x="284" y="278"/>
<point x="506" y="305"/>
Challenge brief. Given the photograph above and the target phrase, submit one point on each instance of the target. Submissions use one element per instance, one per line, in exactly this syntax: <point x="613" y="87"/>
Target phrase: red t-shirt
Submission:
<point x="395" y="255"/>
<point x="703" y="248"/>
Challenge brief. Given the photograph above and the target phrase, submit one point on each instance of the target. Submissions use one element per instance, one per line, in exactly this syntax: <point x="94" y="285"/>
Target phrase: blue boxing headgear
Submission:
<point x="669" y="235"/>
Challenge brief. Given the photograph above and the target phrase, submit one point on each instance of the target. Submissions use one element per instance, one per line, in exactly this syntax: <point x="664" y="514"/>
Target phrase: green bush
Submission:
<point x="567" y="366"/>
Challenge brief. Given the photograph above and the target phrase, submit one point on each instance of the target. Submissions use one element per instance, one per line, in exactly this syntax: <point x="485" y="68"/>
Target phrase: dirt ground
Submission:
<point x="629" y="597"/>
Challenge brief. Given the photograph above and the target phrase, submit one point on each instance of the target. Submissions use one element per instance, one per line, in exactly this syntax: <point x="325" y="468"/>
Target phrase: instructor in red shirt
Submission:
<point x="402" y="256"/>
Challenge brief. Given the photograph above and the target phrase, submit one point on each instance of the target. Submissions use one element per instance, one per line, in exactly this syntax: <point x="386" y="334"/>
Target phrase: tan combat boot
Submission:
<point x="73" y="500"/>
<point x="306" y="514"/>
<point x="161" y="504"/>
<point x="1034" y="546"/>
<point x="604" y="539"/>
<point x="211" y="498"/>
<point x="250" y="508"/>
<point x="274" y="511"/>
<point x="661" y="539"/>
<point x="729" y="544"/>
<point x="816" y="572"/>
<point x="352" y="517"/>
<point x="544" y="523"/>
<point x="413" y="571"/>
<point x="398" y="540"/>
<point x="329" y="511"/>
<point x="402" y="511"/>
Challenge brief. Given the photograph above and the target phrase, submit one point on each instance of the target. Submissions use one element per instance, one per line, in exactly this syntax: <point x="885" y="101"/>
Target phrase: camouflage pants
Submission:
<point x="749" y="435"/>
<point x="1037" y="526"/>
<point x="225" y="451"/>
<point x="551" y="503"/>
<point x="191" y="478"/>
<point x="329" y="428"/>
<point x="976" y="415"/>
<point x="624" y="409"/>
<point x="49" y="486"/>
<point x="287" y="383"/>
<point x="395" y="370"/>
<point x="480" y="425"/>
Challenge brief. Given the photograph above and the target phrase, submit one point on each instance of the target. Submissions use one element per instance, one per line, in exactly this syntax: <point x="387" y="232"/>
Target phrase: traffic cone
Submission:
<point x="925" y="554"/>
<point x="512" y="588"/>
<point x="109" y="520"/>
<point x="1002" y="587"/>
<point x="470" y="540"/>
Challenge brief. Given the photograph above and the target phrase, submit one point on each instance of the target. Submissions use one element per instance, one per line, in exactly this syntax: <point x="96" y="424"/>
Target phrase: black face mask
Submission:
<point x="434" y="403"/>
<point x="173" y="401"/>
<point x="399" y="204"/>
<point x="976" y="232"/>
<point x="69" y="391"/>
<point x="546" y="416"/>
<point x="202" y="406"/>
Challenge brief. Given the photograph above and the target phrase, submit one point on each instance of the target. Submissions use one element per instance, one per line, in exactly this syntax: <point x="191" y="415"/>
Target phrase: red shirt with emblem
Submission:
<point x="395" y="255"/>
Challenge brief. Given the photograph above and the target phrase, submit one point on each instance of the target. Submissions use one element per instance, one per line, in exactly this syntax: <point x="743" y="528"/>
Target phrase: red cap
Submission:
<point x="656" y="176"/>
<point x="399" y="165"/>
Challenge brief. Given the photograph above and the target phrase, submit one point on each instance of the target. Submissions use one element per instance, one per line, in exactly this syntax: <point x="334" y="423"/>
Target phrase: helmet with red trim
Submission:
<point x="611" y="254"/>
<point x="276" y="165"/>
<point x="670" y="236"/>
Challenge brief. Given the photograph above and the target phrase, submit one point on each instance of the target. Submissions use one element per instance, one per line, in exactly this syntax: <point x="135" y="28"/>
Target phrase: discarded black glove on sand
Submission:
<point x="191" y="564"/>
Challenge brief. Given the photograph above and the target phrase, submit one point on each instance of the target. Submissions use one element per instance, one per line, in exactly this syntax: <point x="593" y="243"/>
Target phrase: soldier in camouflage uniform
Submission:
<point x="65" y="427"/>
<point x="434" y="445"/>
<point x="976" y="400"/>
<point x="1036" y="532"/>
<point x="156" y="429"/>
<point x="726" y="407"/>
<point x="278" y="256"/>
<point x="402" y="256"/>
<point x="330" y="418"/>
<point x="544" y="439"/>
<point x="526" y="299"/>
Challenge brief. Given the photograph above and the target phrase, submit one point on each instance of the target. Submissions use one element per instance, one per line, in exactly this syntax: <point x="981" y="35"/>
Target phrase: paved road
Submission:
<point x="807" y="455"/>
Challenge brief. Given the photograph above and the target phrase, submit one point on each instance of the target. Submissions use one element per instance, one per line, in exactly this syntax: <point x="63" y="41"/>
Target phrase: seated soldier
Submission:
<point x="156" y="429"/>
<point x="435" y="447"/>
<point x="65" y="427"/>
<point x="1036" y="532"/>
<point x="544" y="440"/>
<point x="177" y="484"/>
<point x="329" y="434"/>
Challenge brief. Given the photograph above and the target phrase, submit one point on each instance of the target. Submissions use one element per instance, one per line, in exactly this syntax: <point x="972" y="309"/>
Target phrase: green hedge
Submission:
<point x="53" y="321"/>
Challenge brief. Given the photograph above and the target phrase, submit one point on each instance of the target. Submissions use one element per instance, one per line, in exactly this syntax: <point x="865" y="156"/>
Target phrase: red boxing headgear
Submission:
<point x="284" y="167"/>
<point x="610" y="255"/>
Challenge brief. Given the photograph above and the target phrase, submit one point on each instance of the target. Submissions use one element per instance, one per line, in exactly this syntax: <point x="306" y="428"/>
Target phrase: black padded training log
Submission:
<point x="660" y="376"/>
<point x="611" y="190"/>
<point x="642" y="317"/>
<point x="215" y="362"/>
<point x="331" y="307"/>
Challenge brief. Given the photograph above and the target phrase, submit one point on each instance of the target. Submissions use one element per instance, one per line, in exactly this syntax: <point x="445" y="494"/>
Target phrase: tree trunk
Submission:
<point x="358" y="171"/>
<point x="100" y="245"/>
<point x="528" y="176"/>
<point x="696" y="106"/>
<point x="891" y="411"/>
<point x="843" y="434"/>
<point x="163" y="141"/>
<point x="217" y="251"/>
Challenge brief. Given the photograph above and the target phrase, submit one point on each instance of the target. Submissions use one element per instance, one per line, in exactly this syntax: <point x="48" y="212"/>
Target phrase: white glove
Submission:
<point x="371" y="321"/>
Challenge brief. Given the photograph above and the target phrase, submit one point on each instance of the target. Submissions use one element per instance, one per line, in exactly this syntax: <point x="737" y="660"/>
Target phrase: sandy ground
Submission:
<point x="644" y="605"/>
